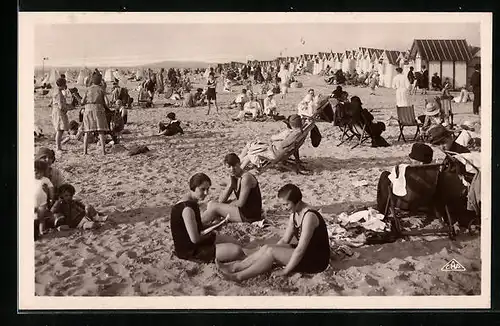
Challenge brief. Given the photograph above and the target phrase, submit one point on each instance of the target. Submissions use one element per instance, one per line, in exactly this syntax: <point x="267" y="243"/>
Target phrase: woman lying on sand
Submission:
<point x="248" y="204"/>
<point x="190" y="242"/>
<point x="279" y="142"/>
<point x="310" y="255"/>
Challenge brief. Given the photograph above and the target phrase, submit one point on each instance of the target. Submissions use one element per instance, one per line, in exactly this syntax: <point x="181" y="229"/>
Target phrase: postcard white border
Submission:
<point x="28" y="300"/>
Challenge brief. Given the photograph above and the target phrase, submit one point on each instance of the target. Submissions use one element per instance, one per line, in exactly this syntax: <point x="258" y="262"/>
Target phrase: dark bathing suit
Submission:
<point x="317" y="256"/>
<point x="203" y="251"/>
<point x="252" y="209"/>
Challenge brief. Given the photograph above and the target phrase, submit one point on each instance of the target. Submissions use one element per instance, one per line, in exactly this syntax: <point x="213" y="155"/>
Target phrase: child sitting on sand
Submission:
<point x="172" y="127"/>
<point x="73" y="213"/>
<point x="44" y="193"/>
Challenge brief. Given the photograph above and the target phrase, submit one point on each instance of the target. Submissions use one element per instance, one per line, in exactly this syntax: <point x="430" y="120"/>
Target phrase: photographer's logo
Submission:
<point x="453" y="266"/>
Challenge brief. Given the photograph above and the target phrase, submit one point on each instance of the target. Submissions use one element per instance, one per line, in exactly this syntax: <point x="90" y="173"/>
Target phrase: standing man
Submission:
<point x="412" y="80"/>
<point x="475" y="82"/>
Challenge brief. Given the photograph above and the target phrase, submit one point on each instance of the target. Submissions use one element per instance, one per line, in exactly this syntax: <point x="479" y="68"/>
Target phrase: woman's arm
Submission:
<point x="247" y="183"/>
<point x="287" y="236"/>
<point x="224" y="197"/>
<point x="309" y="223"/>
<point x="84" y="99"/>
<point x="188" y="216"/>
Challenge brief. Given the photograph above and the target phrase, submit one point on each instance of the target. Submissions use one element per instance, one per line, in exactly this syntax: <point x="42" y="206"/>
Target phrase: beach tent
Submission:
<point x="117" y="75"/>
<point x="80" y="80"/>
<point x="51" y="77"/>
<point x="389" y="63"/>
<point x="108" y="76"/>
<point x="139" y="74"/>
<point x="347" y="63"/>
<point x="447" y="58"/>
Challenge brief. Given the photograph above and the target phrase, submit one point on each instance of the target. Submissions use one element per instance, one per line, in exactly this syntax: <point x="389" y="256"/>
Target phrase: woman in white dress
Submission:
<point x="401" y="84"/>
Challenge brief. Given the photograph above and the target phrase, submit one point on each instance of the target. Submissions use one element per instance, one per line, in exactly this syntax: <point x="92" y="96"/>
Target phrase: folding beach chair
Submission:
<point x="284" y="160"/>
<point x="423" y="194"/>
<point x="360" y="130"/>
<point x="406" y="118"/>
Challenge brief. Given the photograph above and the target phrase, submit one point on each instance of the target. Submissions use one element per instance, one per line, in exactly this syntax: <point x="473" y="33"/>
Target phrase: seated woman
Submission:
<point x="190" y="242"/>
<point x="252" y="106"/>
<point x="240" y="100"/>
<point x="432" y="117"/>
<point x="248" y="204"/>
<point x="279" y="142"/>
<point x="420" y="154"/>
<point x="270" y="106"/>
<point x="311" y="255"/>
<point x="463" y="97"/>
<point x="172" y="127"/>
<point x="308" y="105"/>
<point x="362" y="116"/>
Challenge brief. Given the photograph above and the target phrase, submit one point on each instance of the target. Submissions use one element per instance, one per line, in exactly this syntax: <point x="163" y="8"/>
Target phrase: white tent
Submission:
<point x="51" y="77"/>
<point x="108" y="76"/>
<point x="117" y="75"/>
<point x="139" y="74"/>
<point x="81" y="78"/>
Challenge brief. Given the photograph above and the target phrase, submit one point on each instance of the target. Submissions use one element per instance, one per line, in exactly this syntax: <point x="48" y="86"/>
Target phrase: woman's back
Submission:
<point x="182" y="242"/>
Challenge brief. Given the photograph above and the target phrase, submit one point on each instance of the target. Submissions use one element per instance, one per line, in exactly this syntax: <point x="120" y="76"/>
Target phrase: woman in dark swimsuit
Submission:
<point x="248" y="204"/>
<point x="311" y="254"/>
<point x="186" y="228"/>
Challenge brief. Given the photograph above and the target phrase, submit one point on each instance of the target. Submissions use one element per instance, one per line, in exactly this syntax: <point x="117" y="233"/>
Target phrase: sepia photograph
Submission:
<point x="254" y="160"/>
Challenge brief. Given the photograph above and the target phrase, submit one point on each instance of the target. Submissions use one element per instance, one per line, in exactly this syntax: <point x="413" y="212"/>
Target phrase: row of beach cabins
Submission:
<point x="453" y="59"/>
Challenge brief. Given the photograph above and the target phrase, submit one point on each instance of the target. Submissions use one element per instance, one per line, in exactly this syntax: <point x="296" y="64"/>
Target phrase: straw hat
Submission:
<point x="431" y="109"/>
<point x="270" y="93"/>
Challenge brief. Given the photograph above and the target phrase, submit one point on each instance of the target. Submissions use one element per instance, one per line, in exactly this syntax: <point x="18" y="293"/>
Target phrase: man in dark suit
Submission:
<point x="475" y="82"/>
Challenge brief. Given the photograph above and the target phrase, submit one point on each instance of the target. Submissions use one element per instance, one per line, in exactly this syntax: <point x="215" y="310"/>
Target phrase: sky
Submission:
<point x="137" y="44"/>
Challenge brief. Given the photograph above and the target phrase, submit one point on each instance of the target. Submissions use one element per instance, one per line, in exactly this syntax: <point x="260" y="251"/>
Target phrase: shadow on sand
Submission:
<point x="319" y="164"/>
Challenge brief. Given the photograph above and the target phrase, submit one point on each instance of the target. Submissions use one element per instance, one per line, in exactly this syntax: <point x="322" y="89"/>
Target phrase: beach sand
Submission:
<point x="132" y="254"/>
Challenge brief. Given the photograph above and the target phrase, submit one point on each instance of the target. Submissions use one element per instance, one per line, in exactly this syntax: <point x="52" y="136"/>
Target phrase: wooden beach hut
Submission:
<point x="388" y="64"/>
<point x="447" y="58"/>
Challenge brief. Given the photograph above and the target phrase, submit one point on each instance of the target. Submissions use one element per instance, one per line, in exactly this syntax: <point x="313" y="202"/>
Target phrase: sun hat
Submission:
<point x="467" y="125"/>
<point x="431" y="109"/>
<point x="270" y="93"/>
<point x="421" y="152"/>
<point x="355" y="99"/>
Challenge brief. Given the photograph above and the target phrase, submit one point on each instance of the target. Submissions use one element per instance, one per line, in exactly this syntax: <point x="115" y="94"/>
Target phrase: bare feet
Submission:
<point x="225" y="273"/>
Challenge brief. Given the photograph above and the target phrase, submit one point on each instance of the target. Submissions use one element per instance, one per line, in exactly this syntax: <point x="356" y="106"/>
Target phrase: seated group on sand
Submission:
<point x="247" y="103"/>
<point x="193" y="241"/>
<point x="54" y="203"/>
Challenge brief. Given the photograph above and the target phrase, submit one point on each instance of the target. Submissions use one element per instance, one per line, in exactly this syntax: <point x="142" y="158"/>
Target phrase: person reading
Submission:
<point x="191" y="242"/>
<point x="247" y="207"/>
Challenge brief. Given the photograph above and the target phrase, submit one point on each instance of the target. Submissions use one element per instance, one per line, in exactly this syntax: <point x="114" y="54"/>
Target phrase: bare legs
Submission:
<point x="216" y="107"/>
<point x="101" y="139"/>
<point x="59" y="134"/>
<point x="258" y="263"/>
<point x="216" y="210"/>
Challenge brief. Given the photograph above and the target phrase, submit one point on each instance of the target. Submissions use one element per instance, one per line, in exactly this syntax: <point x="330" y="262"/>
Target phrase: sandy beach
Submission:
<point x="132" y="255"/>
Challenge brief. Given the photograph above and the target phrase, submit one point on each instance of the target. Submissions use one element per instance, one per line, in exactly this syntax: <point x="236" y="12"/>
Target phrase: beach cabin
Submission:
<point x="309" y="62"/>
<point x="352" y="56"/>
<point x="476" y="59"/>
<point x="388" y="64"/>
<point x="329" y="60"/>
<point x="360" y="60"/>
<point x="337" y="61"/>
<point x="348" y="64"/>
<point x="51" y="77"/>
<point x="447" y="58"/>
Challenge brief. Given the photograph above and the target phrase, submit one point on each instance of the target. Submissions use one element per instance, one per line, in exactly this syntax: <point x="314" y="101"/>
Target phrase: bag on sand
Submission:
<point x="315" y="137"/>
<point x="139" y="149"/>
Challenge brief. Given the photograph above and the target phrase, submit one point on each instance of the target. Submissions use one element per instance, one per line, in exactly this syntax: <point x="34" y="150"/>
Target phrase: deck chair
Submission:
<point x="284" y="160"/>
<point x="422" y="195"/>
<point x="406" y="118"/>
<point x="361" y="132"/>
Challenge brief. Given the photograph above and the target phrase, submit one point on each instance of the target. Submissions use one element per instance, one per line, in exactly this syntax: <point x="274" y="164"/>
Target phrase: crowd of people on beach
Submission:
<point x="193" y="231"/>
